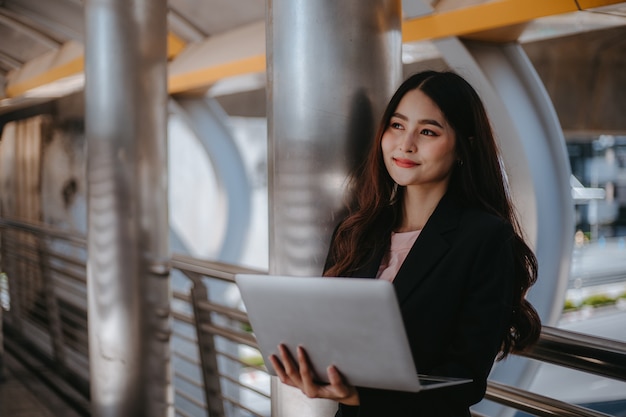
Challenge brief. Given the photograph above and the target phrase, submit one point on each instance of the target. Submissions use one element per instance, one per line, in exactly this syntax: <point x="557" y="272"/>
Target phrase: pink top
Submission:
<point x="401" y="243"/>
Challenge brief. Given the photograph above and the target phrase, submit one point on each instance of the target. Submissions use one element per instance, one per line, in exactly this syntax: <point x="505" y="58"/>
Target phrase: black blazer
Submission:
<point x="455" y="293"/>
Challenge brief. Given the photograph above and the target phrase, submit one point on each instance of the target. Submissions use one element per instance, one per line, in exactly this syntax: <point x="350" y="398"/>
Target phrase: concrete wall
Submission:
<point x="585" y="75"/>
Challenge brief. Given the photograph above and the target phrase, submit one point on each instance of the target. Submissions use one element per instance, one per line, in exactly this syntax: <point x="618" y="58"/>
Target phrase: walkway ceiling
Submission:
<point x="42" y="56"/>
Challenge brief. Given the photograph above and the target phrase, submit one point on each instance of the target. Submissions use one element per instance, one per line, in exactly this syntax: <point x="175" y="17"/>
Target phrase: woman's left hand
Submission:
<point x="301" y="376"/>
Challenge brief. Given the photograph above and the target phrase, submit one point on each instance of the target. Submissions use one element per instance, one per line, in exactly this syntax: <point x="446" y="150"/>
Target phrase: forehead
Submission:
<point x="417" y="105"/>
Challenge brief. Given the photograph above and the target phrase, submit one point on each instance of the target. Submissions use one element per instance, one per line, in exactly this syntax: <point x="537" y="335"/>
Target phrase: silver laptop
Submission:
<point x="352" y="323"/>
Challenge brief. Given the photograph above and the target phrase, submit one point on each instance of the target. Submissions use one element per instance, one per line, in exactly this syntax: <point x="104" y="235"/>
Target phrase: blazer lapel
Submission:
<point x="430" y="246"/>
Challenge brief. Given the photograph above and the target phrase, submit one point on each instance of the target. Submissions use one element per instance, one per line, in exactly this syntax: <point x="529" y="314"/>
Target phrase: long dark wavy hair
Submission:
<point x="376" y="206"/>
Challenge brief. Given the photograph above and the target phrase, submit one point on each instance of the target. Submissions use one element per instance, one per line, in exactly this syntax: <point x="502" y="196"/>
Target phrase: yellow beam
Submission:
<point x="175" y="45"/>
<point x="591" y="4"/>
<point x="74" y="67"/>
<point x="481" y="21"/>
<point x="488" y="16"/>
<point x="206" y="76"/>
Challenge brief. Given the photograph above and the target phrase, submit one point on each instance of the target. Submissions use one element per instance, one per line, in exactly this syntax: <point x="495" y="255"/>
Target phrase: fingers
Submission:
<point x="337" y="383"/>
<point x="300" y="374"/>
<point x="285" y="367"/>
<point x="309" y="388"/>
<point x="280" y="370"/>
<point x="333" y="376"/>
<point x="337" y="389"/>
<point x="343" y="391"/>
<point x="290" y="367"/>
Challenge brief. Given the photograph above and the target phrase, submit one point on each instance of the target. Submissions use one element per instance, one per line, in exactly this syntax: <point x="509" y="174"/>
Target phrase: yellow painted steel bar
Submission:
<point x="459" y="22"/>
<point x="76" y="66"/>
<point x="72" y="67"/>
<point x="491" y="15"/>
<point x="207" y="76"/>
<point x="175" y="45"/>
<point x="590" y="4"/>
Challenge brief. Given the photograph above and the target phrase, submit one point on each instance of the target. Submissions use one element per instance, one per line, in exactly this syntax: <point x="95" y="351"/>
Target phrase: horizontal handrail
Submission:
<point x="238" y="337"/>
<point x="228" y="312"/>
<point x="537" y="405"/>
<point x="43" y="230"/>
<point x="238" y="360"/>
<point x="580" y="351"/>
<point x="240" y="406"/>
<point x="218" y="270"/>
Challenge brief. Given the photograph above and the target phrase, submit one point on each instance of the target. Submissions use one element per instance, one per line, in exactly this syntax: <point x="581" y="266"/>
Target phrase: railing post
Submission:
<point x="206" y="349"/>
<point x="15" y="293"/>
<point x="1" y="335"/>
<point x="52" y="305"/>
<point x="2" y="278"/>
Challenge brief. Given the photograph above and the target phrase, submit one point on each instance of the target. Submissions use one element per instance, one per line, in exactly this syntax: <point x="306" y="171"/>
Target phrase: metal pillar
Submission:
<point x="128" y="267"/>
<point x="332" y="66"/>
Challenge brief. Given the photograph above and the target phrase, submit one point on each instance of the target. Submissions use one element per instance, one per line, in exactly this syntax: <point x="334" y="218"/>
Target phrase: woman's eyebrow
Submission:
<point x="400" y="116"/>
<point x="430" y="122"/>
<point x="421" y="121"/>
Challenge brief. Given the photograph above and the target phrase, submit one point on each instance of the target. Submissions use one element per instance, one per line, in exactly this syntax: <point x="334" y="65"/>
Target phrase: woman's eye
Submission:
<point x="395" y="125"/>
<point x="428" y="132"/>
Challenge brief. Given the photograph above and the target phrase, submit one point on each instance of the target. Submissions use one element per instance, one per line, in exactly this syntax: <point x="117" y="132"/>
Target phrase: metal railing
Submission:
<point x="217" y="369"/>
<point x="46" y="319"/>
<point x="231" y="377"/>
<point x="577" y="351"/>
<point x="582" y="352"/>
<point x="535" y="404"/>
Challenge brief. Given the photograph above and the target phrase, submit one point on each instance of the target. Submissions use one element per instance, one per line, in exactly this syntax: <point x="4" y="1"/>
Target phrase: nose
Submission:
<point x="407" y="143"/>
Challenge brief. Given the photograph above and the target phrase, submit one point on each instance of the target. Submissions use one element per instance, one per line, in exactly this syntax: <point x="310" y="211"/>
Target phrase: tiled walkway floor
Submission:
<point x="23" y="395"/>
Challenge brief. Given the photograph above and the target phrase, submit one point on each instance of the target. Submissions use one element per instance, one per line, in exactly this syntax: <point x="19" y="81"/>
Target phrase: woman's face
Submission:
<point x="418" y="144"/>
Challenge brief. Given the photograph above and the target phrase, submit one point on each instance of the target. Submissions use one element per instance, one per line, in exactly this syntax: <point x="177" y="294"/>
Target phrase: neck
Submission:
<point x="419" y="204"/>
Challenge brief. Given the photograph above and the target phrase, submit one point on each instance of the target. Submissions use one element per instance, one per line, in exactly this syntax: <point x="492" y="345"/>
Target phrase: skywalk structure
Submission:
<point x="111" y="291"/>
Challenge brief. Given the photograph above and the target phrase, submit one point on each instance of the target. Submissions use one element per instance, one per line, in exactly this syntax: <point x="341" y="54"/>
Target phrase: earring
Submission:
<point x="460" y="162"/>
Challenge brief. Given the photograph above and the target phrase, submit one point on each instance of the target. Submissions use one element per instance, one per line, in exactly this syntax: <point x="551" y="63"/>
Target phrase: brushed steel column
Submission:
<point x="332" y="66"/>
<point x="128" y="268"/>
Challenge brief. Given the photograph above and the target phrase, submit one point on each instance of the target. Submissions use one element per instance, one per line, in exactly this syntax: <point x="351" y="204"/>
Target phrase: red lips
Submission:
<point x="404" y="163"/>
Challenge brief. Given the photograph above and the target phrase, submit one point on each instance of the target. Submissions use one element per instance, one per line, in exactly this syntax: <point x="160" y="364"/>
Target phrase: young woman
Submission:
<point x="432" y="214"/>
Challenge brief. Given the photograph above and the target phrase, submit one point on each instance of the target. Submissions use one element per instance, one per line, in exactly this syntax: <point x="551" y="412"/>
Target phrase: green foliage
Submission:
<point x="598" y="300"/>
<point x="256" y="360"/>
<point x="569" y="305"/>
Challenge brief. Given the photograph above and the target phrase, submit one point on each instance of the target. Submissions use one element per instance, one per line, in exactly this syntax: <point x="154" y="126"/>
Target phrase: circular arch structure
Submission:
<point x="207" y="120"/>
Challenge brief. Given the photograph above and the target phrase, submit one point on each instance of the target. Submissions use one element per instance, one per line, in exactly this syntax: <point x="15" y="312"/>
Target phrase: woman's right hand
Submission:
<point x="301" y="376"/>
